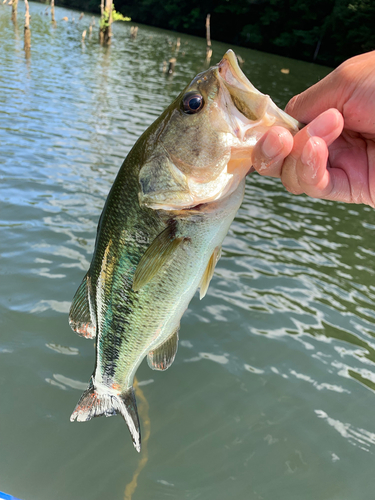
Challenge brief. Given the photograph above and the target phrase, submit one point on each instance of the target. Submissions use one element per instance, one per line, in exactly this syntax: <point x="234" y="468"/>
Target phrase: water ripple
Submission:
<point x="287" y="326"/>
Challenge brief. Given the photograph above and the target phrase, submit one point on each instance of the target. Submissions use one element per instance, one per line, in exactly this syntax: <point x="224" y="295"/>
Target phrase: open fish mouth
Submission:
<point x="231" y="72"/>
<point x="248" y="113"/>
<point x="256" y="107"/>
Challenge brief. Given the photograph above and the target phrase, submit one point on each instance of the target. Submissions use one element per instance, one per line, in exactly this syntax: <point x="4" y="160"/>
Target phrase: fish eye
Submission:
<point x="192" y="103"/>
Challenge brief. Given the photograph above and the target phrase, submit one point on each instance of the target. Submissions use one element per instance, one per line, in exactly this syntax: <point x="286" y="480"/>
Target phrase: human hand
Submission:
<point x="333" y="157"/>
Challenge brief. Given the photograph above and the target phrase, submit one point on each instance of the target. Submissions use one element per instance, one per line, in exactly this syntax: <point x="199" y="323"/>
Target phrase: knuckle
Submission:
<point x="293" y="189"/>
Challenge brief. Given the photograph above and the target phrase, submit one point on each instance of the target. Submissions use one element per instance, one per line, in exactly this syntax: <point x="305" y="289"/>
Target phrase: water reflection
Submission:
<point x="357" y="437"/>
<point x="70" y="351"/>
<point x="64" y="382"/>
<point x="287" y="325"/>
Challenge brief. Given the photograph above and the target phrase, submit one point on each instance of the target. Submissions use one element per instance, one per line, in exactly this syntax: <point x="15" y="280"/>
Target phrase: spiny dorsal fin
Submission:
<point x="163" y="356"/>
<point x="158" y="253"/>
<point x="79" y="315"/>
<point x="209" y="272"/>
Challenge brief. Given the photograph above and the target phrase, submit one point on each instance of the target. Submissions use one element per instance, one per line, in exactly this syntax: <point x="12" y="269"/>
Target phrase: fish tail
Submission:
<point x="95" y="402"/>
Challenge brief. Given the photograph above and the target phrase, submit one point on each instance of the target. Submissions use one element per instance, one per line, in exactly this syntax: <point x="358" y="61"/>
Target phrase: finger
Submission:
<point x="308" y="105"/>
<point x="336" y="89"/>
<point x="311" y="169"/>
<point x="318" y="181"/>
<point x="328" y="126"/>
<point x="316" y="99"/>
<point x="271" y="150"/>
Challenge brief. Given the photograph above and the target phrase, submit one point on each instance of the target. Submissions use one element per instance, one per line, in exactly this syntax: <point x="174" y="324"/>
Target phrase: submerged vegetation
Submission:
<point x="327" y="31"/>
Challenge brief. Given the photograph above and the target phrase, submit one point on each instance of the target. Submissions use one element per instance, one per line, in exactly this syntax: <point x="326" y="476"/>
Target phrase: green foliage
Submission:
<point x="116" y="16"/>
<point x="252" y="34"/>
<point x="357" y="18"/>
<point x="327" y="31"/>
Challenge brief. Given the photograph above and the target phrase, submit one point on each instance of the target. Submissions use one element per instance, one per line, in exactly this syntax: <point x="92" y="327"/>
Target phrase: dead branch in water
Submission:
<point x="172" y="64"/>
<point x="53" y="12"/>
<point x="14" y="10"/>
<point x="105" y="30"/>
<point x="133" y="32"/>
<point x="27" y="37"/>
<point x="208" y="38"/>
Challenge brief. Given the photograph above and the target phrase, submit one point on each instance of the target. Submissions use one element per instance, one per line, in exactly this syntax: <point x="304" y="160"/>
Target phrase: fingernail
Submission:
<point x="272" y="145"/>
<point x="322" y="125"/>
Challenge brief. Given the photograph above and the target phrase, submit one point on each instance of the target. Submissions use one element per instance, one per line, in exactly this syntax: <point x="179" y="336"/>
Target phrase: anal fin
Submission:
<point x="209" y="272"/>
<point x="163" y="356"/>
<point x="79" y="315"/>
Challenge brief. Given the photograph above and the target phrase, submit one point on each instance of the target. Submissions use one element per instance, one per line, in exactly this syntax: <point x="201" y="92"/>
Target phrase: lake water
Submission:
<point x="271" y="395"/>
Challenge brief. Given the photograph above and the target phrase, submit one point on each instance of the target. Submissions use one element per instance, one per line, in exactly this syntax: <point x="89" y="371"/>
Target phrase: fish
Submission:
<point x="160" y="233"/>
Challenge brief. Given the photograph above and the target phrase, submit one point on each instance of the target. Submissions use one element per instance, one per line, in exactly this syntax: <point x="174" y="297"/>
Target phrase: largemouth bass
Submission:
<point x="160" y="233"/>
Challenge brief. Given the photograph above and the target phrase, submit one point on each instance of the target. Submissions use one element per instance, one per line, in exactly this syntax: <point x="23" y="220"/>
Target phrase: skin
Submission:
<point x="333" y="157"/>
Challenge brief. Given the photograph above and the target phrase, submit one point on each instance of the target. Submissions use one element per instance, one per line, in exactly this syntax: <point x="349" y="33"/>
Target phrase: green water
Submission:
<point x="271" y="395"/>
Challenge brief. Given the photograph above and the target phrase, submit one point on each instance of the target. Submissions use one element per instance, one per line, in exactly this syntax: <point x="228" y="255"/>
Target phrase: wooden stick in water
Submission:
<point x="133" y="32"/>
<point x="105" y="30"/>
<point x="208" y="38"/>
<point x="172" y="64"/>
<point x="27" y="38"/>
<point x="53" y="12"/>
<point x="14" y="10"/>
<point x="109" y="8"/>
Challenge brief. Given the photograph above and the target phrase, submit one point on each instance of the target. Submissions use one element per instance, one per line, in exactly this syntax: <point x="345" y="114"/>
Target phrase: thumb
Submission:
<point x="315" y="100"/>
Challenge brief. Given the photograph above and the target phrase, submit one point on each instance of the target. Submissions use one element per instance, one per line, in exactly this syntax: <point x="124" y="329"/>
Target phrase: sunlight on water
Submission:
<point x="272" y="393"/>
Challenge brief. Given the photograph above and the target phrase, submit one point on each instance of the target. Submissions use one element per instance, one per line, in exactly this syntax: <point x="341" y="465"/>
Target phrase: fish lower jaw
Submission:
<point x="199" y="193"/>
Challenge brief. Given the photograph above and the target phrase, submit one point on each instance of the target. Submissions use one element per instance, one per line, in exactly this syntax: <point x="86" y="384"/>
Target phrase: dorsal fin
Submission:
<point x="158" y="253"/>
<point x="163" y="356"/>
<point x="79" y="315"/>
<point x="208" y="273"/>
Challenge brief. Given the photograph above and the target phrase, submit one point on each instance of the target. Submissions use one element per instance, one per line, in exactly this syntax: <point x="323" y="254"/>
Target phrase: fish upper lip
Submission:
<point x="232" y="74"/>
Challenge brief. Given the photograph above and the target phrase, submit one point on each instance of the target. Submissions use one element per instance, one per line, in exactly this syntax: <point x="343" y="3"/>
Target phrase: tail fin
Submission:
<point x="94" y="403"/>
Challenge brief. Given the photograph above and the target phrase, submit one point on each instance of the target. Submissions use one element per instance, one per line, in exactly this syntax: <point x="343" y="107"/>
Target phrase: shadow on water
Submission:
<point x="143" y="409"/>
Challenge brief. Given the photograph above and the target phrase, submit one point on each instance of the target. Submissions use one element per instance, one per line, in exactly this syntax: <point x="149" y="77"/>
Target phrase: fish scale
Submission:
<point x="161" y="230"/>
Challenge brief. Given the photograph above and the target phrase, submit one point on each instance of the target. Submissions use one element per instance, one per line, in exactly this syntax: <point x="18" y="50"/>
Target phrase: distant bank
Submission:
<point x="324" y="31"/>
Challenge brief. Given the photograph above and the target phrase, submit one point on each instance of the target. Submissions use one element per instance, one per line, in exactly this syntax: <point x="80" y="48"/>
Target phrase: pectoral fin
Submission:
<point x="209" y="272"/>
<point x="159" y="253"/>
<point x="79" y="315"/>
<point x="163" y="356"/>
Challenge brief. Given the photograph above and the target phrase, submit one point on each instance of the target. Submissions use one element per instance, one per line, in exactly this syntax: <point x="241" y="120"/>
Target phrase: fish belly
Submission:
<point x="134" y="327"/>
